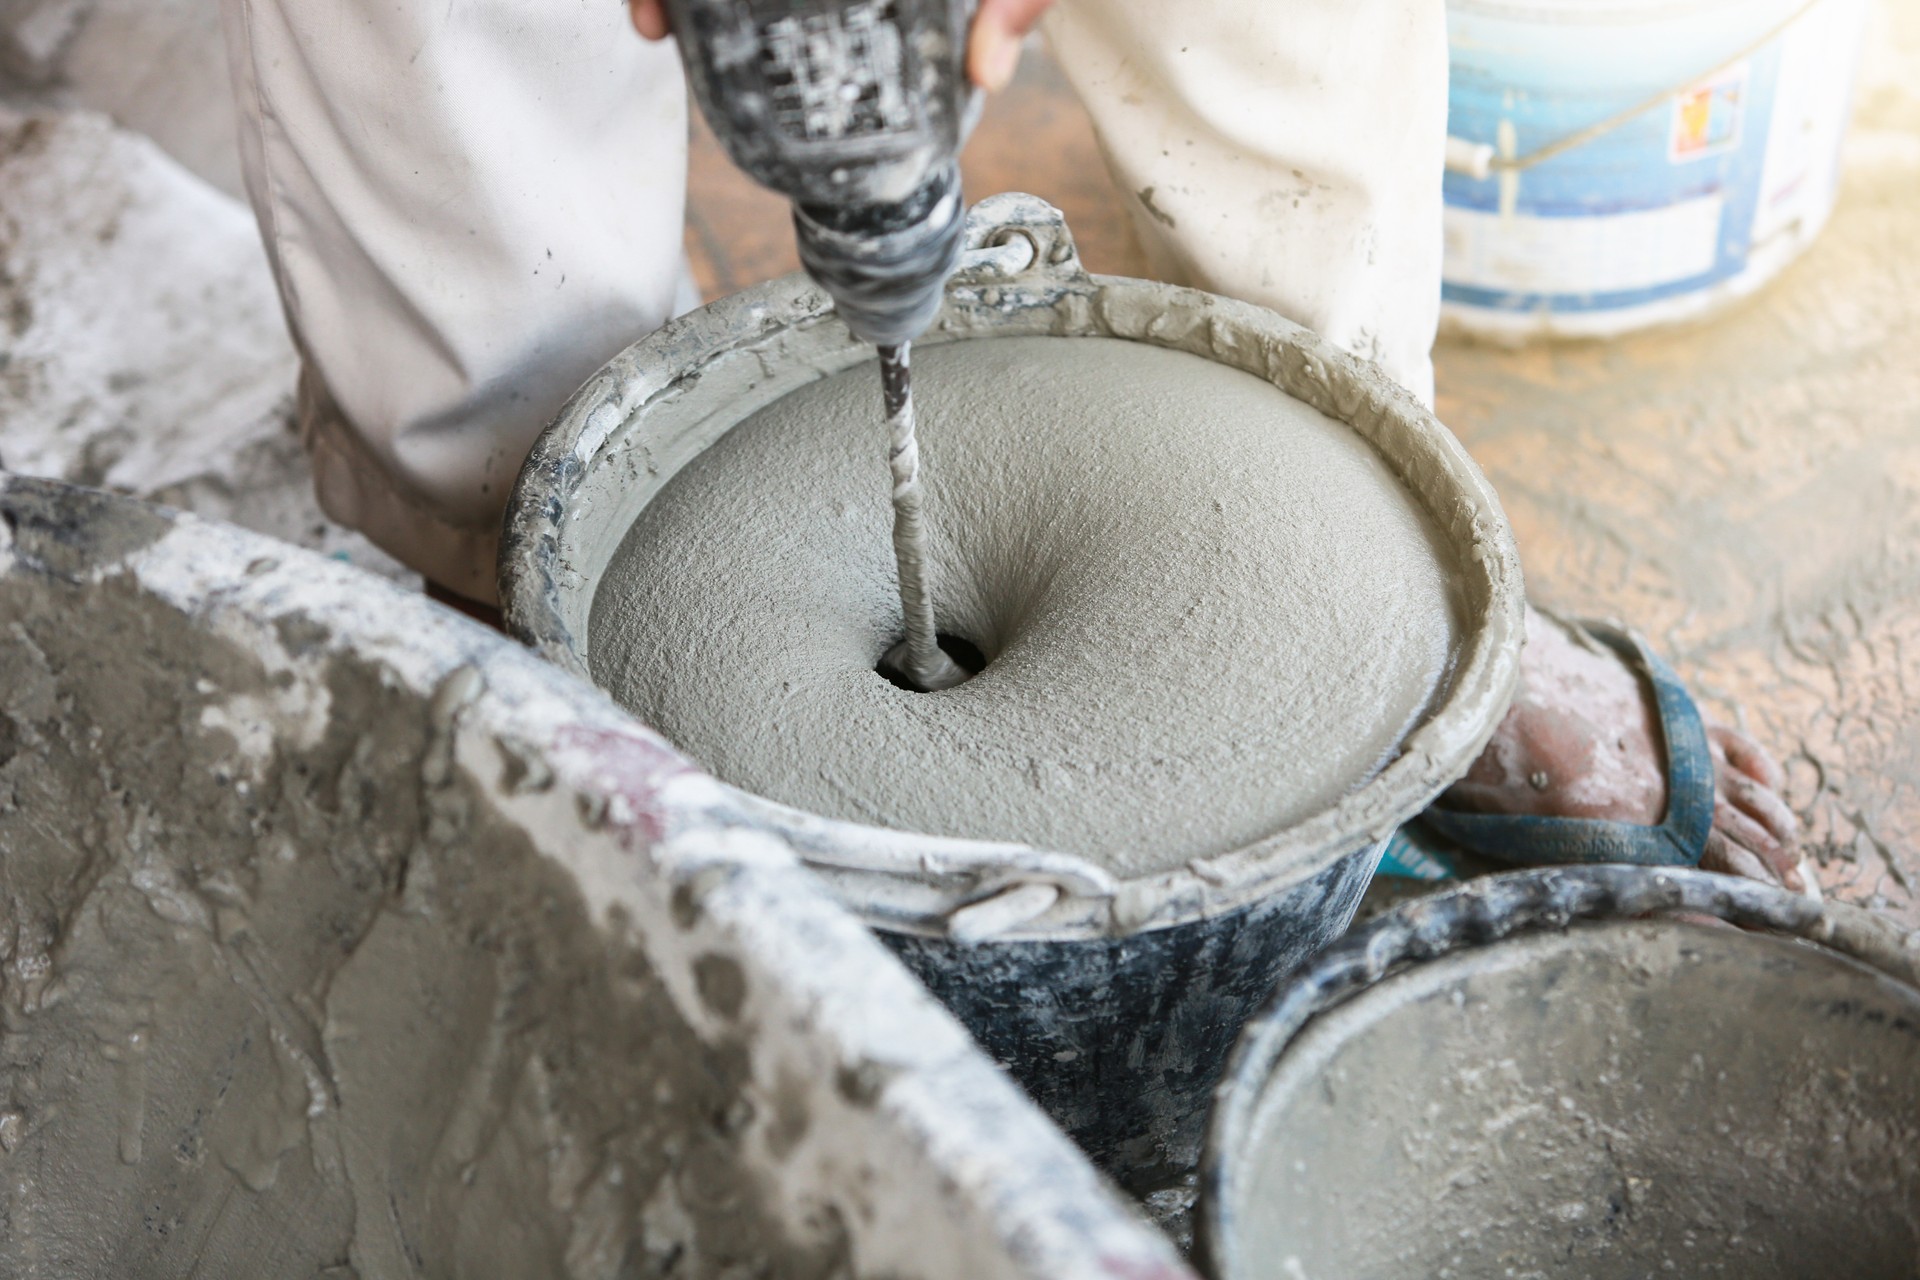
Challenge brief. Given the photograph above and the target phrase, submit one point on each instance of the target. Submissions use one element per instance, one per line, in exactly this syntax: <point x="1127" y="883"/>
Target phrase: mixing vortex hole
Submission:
<point x="963" y="651"/>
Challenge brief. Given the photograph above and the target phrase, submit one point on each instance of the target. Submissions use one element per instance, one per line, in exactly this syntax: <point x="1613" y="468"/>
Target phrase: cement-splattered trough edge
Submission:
<point x="658" y="848"/>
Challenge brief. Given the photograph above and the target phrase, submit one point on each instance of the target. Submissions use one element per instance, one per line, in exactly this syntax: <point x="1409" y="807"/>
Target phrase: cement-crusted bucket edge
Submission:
<point x="1473" y="915"/>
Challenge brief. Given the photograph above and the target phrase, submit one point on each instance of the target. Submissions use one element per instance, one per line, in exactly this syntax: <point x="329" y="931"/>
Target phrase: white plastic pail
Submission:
<point x="1614" y="164"/>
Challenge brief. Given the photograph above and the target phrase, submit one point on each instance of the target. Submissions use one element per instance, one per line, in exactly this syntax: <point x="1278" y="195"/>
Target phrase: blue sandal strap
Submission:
<point x="1677" y="841"/>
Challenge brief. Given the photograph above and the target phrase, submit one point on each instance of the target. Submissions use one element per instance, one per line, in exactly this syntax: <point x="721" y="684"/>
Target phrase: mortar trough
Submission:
<point x="1531" y="1076"/>
<point x="341" y="936"/>
<point x="1113" y="996"/>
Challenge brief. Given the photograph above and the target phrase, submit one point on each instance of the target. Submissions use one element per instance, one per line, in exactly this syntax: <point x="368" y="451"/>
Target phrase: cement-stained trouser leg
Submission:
<point x="469" y="208"/>
<point x="1286" y="152"/>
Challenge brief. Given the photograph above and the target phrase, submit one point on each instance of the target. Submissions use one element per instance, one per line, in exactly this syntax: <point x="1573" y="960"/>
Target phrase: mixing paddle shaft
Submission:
<point x="855" y="111"/>
<point x="918" y="658"/>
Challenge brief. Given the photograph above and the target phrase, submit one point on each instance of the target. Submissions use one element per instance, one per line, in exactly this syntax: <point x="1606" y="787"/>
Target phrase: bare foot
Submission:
<point x="1582" y="741"/>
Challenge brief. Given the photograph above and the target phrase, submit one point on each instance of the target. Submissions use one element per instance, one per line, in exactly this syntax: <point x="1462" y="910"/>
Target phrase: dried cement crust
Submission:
<point x="340" y="937"/>
<point x="1622" y="1099"/>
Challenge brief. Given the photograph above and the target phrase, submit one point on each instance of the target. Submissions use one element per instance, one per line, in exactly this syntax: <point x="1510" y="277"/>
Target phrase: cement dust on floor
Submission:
<point x="1745" y="491"/>
<point x="141" y="343"/>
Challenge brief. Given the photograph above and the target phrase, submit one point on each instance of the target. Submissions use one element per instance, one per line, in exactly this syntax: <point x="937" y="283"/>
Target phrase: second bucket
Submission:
<point x="1547" y="1073"/>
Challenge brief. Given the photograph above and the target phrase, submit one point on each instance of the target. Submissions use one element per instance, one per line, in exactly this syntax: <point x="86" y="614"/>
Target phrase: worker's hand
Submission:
<point x="650" y="19"/>
<point x="993" y="50"/>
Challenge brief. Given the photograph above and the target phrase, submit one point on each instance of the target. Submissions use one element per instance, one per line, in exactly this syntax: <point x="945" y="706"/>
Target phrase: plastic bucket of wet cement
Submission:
<point x="342" y="936"/>
<point x="1542" y="1074"/>
<point x="1111" y="989"/>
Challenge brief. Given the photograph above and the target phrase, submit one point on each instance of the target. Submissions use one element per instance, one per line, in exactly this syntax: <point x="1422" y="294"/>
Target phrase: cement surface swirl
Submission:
<point x="1209" y="610"/>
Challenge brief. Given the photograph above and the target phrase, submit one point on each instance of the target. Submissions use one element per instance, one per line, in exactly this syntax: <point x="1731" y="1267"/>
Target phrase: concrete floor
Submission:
<point x="1747" y="491"/>
<point x="141" y="343"/>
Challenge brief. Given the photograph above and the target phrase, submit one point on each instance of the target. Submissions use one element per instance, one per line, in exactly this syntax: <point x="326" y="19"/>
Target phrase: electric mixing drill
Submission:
<point x="855" y="110"/>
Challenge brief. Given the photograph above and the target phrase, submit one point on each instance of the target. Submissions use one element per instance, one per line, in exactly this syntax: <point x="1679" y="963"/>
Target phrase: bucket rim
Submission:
<point x="1481" y="914"/>
<point x="1022" y="276"/>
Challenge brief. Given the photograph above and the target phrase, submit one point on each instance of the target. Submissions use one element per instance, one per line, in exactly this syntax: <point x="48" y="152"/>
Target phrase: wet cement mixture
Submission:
<point x="1208" y="610"/>
<point x="1747" y="490"/>
<point x="341" y="937"/>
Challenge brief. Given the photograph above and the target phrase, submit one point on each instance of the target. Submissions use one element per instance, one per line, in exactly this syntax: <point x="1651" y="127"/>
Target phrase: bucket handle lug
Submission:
<point x="1017" y="904"/>
<point x="1015" y="236"/>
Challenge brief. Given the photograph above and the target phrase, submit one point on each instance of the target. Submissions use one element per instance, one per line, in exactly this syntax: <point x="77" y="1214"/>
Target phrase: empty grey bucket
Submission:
<point x="1113" y="1000"/>
<point x="1531" y="1076"/>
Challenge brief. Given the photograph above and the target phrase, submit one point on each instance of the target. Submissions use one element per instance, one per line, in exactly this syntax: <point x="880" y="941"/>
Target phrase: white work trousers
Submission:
<point x="470" y="207"/>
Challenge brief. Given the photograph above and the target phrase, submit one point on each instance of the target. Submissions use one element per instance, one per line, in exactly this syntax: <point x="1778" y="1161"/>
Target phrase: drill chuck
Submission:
<point x="885" y="266"/>
<point x="855" y="111"/>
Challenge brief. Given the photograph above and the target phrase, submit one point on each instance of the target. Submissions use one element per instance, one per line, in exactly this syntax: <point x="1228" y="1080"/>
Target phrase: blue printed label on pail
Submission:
<point x="1637" y="160"/>
<point x="1706" y="118"/>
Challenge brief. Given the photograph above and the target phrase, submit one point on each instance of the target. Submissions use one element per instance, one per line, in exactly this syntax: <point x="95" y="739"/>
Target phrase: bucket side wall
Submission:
<point x="1122" y="1039"/>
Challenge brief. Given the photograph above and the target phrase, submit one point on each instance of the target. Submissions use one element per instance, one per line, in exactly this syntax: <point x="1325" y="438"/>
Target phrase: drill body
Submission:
<point x="855" y="110"/>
